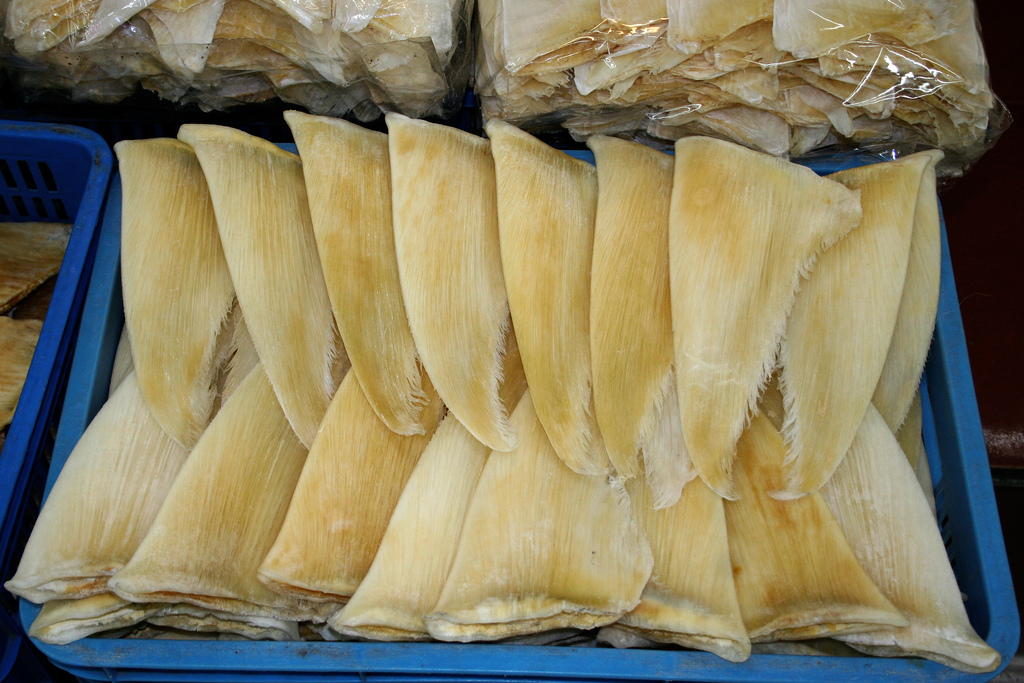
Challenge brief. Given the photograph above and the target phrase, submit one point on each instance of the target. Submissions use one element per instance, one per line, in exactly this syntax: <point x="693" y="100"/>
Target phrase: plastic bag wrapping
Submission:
<point x="332" y="57"/>
<point x="783" y="76"/>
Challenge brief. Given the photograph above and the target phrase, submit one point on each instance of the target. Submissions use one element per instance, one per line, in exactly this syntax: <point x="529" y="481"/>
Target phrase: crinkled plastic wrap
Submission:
<point x="329" y="56"/>
<point x="783" y="76"/>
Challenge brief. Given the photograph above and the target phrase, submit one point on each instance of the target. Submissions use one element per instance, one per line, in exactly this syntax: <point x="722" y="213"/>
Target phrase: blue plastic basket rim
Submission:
<point x="14" y="452"/>
<point x="145" y="658"/>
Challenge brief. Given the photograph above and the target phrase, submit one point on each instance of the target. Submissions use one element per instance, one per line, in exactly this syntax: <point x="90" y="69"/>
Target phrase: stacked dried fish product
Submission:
<point x="843" y="319"/>
<point x="419" y="547"/>
<point x="30" y="253"/>
<point x="743" y="229"/>
<point x="547" y="203"/>
<point x="635" y="401"/>
<point x="331" y="58"/>
<point x="178" y="299"/>
<point x="671" y="437"/>
<point x="18" y="340"/>
<point x="30" y="256"/>
<point x="579" y="560"/>
<point x="781" y="76"/>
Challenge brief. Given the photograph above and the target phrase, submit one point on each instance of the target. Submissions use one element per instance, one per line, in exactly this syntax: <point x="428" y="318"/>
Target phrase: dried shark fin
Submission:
<point x="909" y="433"/>
<point x="242" y="357"/>
<point x="177" y="288"/>
<point x="879" y="505"/>
<point x="352" y="16"/>
<point x="630" y="313"/>
<point x="547" y="203"/>
<point x="351" y="483"/>
<point x="911" y="443"/>
<point x="785" y="591"/>
<point x="696" y="24"/>
<point x="634" y="13"/>
<point x="771" y="402"/>
<point x="842" y="322"/>
<point x="30" y="253"/>
<point x="36" y="304"/>
<point x="579" y="560"/>
<point x="185" y="617"/>
<point x="222" y="514"/>
<point x="667" y="464"/>
<point x="348" y="180"/>
<point x="183" y="37"/>
<point x="39" y="25"/>
<point x="811" y="28"/>
<point x="123" y="364"/>
<point x="412" y="563"/>
<point x="102" y="504"/>
<point x="263" y="216"/>
<point x="532" y="30"/>
<point x="64" y="621"/>
<point x="919" y="304"/>
<point x="109" y="15"/>
<point x="744" y="227"/>
<point x="18" y="339"/>
<point x="446" y="237"/>
<point x="690" y="599"/>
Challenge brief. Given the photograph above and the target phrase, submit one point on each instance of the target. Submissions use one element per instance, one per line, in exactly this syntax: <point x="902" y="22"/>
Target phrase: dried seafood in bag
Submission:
<point x="331" y="57"/>
<point x="782" y="76"/>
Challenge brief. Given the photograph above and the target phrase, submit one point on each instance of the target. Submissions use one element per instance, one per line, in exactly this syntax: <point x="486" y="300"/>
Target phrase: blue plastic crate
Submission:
<point x="963" y="491"/>
<point x="47" y="173"/>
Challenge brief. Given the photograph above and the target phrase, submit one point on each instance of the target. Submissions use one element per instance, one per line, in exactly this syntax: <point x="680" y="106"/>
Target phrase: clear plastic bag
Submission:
<point x="784" y="76"/>
<point x="332" y="57"/>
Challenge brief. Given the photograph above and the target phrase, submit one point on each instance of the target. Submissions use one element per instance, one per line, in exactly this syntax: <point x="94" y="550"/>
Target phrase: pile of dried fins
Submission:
<point x="329" y="56"/>
<point x="781" y="76"/>
<point x="30" y="257"/>
<point x="670" y="398"/>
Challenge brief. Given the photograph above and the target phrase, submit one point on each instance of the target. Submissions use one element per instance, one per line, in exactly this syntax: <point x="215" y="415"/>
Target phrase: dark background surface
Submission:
<point x="984" y="218"/>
